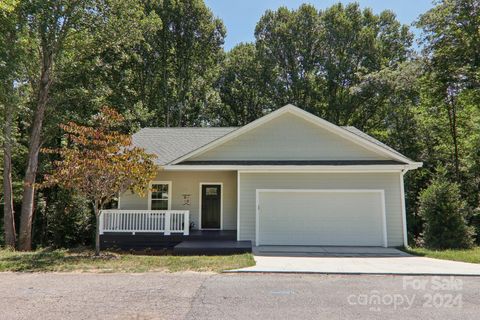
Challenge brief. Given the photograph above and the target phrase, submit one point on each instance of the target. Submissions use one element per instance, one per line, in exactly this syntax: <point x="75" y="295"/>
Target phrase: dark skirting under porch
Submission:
<point x="201" y="242"/>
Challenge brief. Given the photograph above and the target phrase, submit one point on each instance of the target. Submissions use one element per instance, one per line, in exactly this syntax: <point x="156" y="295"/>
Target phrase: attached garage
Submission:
<point x="321" y="217"/>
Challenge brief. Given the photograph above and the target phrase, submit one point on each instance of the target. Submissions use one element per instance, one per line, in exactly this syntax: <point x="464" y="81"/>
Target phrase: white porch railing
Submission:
<point x="166" y="221"/>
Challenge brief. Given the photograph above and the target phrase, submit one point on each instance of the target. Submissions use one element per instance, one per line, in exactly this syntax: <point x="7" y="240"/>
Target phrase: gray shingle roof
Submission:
<point x="171" y="143"/>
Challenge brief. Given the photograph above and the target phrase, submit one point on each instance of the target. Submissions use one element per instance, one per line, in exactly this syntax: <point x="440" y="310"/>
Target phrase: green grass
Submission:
<point x="469" y="255"/>
<point x="84" y="261"/>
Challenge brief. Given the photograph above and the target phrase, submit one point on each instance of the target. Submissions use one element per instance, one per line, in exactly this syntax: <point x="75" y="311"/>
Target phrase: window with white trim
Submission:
<point x="160" y="196"/>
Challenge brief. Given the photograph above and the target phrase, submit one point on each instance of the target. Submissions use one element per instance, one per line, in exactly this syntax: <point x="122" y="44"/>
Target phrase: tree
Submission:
<point x="190" y="48"/>
<point x="451" y="38"/>
<point x="99" y="162"/>
<point x="10" y="55"/>
<point x="241" y="91"/>
<point x="54" y="32"/>
<point x="50" y="22"/>
<point x="315" y="58"/>
<point x="169" y="77"/>
<point x="289" y="47"/>
<point x="444" y="212"/>
<point x="449" y="113"/>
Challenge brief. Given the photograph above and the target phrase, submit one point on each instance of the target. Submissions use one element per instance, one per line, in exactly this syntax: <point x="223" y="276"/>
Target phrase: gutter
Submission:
<point x="283" y="168"/>
<point x="412" y="166"/>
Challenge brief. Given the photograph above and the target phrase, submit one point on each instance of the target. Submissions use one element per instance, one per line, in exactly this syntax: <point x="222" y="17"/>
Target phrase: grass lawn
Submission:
<point x="84" y="261"/>
<point x="469" y="255"/>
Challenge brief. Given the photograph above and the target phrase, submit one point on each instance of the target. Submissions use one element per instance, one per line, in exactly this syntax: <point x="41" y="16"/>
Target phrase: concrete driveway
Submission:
<point x="352" y="260"/>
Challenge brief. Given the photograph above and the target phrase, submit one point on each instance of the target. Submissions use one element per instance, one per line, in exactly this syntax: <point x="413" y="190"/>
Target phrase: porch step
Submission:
<point x="211" y="235"/>
<point x="212" y="247"/>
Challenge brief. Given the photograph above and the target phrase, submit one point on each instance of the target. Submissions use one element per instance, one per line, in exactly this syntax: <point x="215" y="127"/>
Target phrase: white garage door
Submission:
<point x="321" y="217"/>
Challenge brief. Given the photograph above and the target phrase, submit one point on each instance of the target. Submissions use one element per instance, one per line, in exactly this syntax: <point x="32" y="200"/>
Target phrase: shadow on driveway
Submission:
<point x="327" y="251"/>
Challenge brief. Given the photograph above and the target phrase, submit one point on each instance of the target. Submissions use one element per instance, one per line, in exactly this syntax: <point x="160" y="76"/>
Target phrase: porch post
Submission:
<point x="168" y="223"/>
<point x="102" y="216"/>
<point x="186" y="223"/>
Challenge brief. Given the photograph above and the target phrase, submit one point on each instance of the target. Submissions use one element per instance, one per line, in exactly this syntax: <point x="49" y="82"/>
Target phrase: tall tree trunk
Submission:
<point x="452" y="117"/>
<point x="26" y="217"/>
<point x="8" y="212"/>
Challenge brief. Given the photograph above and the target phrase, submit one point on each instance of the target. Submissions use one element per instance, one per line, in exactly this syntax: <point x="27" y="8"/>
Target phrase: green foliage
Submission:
<point x="161" y="63"/>
<point x="8" y="5"/>
<point x="99" y="162"/>
<point x="242" y="95"/>
<point x="94" y="67"/>
<point x="2" y="240"/>
<point x="475" y="223"/>
<point x="444" y="212"/>
<point x="314" y="59"/>
<point x="451" y="39"/>
<point x="170" y="74"/>
<point x="448" y="113"/>
<point x="63" y="219"/>
<point x="465" y="255"/>
<point x="78" y="260"/>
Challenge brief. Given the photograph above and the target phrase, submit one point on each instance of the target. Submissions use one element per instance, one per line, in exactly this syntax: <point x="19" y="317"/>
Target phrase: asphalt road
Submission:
<point x="236" y="296"/>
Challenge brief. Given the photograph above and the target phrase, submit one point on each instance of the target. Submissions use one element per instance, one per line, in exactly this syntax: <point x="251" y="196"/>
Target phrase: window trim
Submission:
<point x="169" y="183"/>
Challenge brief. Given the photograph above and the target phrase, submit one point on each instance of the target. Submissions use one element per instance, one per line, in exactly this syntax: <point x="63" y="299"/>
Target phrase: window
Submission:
<point x="211" y="191"/>
<point x="160" y="193"/>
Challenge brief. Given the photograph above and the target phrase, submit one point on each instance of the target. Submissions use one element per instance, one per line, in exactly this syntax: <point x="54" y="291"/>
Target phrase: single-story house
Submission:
<point x="288" y="178"/>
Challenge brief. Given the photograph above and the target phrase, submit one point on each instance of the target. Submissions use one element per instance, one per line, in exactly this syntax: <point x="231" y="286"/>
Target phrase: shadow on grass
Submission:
<point x="47" y="260"/>
<point x="44" y="259"/>
<point x="413" y="252"/>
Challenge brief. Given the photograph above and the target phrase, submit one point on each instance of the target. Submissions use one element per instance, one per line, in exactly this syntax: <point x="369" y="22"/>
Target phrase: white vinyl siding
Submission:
<point x="132" y="201"/>
<point x="188" y="183"/>
<point x="389" y="182"/>
<point x="289" y="137"/>
<point x="320" y="217"/>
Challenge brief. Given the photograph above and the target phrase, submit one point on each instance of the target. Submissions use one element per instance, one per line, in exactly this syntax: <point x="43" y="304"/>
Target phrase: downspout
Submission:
<point x="238" y="205"/>
<point x="404" y="211"/>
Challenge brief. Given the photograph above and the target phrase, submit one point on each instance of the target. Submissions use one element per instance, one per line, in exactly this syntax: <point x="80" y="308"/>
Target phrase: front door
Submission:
<point x="211" y="206"/>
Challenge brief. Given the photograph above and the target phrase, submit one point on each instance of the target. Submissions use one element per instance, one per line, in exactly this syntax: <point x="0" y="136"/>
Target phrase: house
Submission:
<point x="288" y="178"/>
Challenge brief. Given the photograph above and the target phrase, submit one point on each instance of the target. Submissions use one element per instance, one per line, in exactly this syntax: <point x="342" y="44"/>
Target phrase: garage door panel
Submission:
<point x="320" y="218"/>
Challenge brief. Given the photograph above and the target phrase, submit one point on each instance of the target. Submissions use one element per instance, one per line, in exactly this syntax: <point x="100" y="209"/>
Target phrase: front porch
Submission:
<point x="164" y="230"/>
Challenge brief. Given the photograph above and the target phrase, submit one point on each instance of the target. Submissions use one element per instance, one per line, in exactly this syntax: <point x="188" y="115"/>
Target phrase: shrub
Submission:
<point x="475" y="223"/>
<point x="444" y="212"/>
<point x="2" y="242"/>
<point x="63" y="219"/>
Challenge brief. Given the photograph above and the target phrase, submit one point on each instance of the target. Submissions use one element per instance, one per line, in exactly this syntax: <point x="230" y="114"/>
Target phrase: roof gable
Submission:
<point x="288" y="137"/>
<point x="288" y="124"/>
<point x="169" y="144"/>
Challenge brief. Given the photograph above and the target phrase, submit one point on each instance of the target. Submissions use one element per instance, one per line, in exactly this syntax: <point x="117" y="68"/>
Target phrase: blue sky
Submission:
<point x="241" y="16"/>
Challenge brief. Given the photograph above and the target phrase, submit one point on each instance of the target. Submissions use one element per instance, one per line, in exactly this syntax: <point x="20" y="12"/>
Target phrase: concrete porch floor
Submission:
<point x="352" y="260"/>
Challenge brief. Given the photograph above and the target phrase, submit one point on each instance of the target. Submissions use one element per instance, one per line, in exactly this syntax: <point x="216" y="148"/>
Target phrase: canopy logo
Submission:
<point x="375" y="300"/>
<point x="433" y="292"/>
